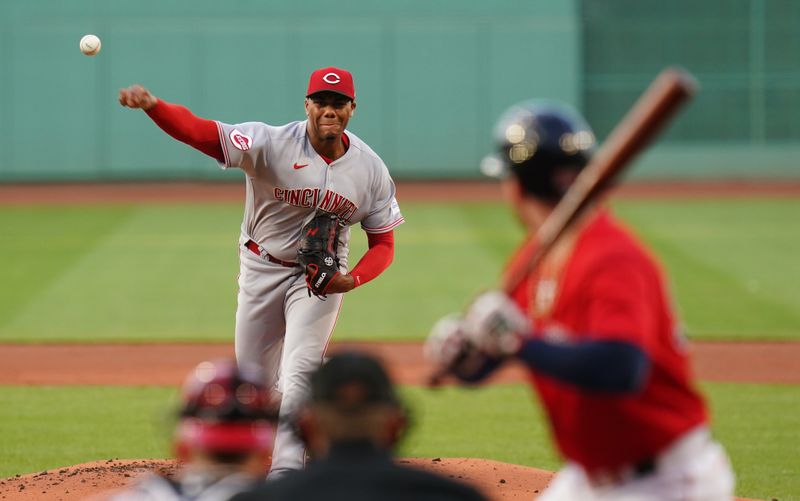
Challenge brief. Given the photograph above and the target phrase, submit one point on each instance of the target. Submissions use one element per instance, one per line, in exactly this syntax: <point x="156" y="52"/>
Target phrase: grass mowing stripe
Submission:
<point x="722" y="295"/>
<point x="40" y="244"/>
<point x="49" y="427"/>
<point x="442" y="258"/>
<point x="730" y="262"/>
<point x="161" y="276"/>
<point x="758" y="426"/>
<point x="168" y="273"/>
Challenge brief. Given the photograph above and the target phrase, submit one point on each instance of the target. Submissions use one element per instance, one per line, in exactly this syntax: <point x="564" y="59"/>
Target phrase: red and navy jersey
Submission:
<point x="610" y="288"/>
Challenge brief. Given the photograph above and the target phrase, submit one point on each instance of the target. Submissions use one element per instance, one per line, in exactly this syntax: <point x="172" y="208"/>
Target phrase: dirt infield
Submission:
<point x="231" y="192"/>
<point x="168" y="363"/>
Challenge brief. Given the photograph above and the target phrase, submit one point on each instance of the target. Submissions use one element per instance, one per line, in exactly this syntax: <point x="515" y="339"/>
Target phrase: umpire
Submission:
<point x="351" y="425"/>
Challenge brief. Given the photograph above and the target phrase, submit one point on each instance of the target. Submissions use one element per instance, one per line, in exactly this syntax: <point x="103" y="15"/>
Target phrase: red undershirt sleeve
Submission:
<point x="377" y="258"/>
<point x="183" y="125"/>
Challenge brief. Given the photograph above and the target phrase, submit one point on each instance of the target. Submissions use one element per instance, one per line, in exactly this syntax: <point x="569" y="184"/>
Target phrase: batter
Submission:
<point x="291" y="171"/>
<point x="595" y="325"/>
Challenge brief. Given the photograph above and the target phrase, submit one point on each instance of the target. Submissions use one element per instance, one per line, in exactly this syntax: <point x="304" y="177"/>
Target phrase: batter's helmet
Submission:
<point x="544" y="144"/>
<point x="225" y="409"/>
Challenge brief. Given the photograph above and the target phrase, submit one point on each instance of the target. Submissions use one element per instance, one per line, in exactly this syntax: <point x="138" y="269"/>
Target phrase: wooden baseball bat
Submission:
<point x="657" y="105"/>
<point x="672" y="88"/>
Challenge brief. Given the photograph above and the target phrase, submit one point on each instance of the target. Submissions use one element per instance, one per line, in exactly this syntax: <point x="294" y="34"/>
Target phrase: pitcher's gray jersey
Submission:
<point x="287" y="180"/>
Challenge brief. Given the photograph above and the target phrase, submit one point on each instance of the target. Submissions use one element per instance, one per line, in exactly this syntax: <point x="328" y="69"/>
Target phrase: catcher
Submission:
<point x="223" y="438"/>
<point x="293" y="173"/>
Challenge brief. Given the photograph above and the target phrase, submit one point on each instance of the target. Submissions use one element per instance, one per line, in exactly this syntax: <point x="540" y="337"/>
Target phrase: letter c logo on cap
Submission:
<point x="332" y="78"/>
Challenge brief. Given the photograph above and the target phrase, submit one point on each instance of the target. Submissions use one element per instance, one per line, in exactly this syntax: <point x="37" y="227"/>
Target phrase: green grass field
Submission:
<point x="167" y="272"/>
<point x="49" y="427"/>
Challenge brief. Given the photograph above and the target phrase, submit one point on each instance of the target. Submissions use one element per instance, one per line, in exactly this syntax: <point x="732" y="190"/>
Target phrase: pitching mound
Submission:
<point x="501" y="481"/>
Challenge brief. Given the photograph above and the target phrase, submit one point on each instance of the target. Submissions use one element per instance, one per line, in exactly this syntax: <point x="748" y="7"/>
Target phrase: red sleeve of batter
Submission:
<point x="376" y="259"/>
<point x="183" y="125"/>
<point x="622" y="304"/>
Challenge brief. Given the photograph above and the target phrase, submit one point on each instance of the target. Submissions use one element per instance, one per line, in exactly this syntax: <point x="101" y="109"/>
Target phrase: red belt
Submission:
<point x="258" y="251"/>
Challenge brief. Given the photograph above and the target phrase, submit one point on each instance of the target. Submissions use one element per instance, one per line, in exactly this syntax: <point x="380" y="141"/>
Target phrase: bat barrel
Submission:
<point x="668" y="92"/>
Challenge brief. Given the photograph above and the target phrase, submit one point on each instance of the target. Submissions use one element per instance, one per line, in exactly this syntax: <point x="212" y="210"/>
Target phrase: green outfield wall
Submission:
<point x="746" y="56"/>
<point x="431" y="78"/>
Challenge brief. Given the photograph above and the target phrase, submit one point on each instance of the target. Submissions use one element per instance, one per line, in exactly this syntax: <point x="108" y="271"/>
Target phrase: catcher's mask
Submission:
<point x="226" y="409"/>
<point x="543" y="144"/>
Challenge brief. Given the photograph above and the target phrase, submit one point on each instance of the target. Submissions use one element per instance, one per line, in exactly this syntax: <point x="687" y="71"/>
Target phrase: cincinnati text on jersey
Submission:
<point x="310" y="197"/>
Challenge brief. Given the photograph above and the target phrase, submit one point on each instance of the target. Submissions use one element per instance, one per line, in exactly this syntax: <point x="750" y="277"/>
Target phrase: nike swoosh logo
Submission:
<point x="299" y="166"/>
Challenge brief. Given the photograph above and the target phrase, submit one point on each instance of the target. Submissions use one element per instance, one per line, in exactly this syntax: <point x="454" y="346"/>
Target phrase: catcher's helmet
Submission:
<point x="225" y="409"/>
<point x="544" y="144"/>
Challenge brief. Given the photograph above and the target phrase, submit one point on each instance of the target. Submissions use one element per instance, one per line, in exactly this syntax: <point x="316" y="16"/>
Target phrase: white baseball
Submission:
<point x="90" y="45"/>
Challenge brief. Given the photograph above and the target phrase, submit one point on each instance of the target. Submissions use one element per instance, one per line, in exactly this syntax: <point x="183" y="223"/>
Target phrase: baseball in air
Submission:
<point x="90" y="45"/>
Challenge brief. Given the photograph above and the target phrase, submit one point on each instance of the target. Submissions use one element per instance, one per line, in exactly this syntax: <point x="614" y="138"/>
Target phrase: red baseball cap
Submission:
<point x="333" y="80"/>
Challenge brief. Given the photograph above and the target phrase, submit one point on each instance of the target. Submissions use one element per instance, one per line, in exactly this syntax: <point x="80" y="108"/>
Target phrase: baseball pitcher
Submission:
<point x="306" y="183"/>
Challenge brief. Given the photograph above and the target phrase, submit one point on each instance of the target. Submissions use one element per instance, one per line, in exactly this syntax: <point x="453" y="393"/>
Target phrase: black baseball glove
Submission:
<point x="317" y="252"/>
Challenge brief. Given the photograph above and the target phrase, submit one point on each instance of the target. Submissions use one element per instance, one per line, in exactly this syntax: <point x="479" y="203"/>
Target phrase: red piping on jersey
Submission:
<point x="345" y="142"/>
<point x="183" y="125"/>
<point x="224" y="148"/>
<point x="377" y="258"/>
<point x="384" y="229"/>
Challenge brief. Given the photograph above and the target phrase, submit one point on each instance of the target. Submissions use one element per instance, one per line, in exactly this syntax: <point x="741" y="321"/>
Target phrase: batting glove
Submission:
<point x="446" y="342"/>
<point x="495" y="324"/>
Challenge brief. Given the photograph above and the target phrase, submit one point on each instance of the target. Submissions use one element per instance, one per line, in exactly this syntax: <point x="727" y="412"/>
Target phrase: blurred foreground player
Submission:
<point x="352" y="425"/>
<point x="223" y="438"/>
<point x="595" y="325"/>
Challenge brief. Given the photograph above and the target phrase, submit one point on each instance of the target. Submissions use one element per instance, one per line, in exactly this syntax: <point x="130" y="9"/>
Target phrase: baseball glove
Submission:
<point x="317" y="252"/>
